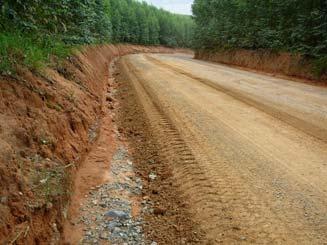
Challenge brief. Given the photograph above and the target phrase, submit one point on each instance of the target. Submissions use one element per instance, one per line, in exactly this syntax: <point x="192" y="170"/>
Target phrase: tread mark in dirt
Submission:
<point x="216" y="196"/>
<point x="300" y="124"/>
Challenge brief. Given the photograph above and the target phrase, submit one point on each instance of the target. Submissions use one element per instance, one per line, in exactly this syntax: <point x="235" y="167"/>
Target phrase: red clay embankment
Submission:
<point x="271" y="62"/>
<point x="48" y="123"/>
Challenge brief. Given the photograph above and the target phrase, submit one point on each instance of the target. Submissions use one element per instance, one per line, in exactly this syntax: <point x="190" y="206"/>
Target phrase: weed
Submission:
<point x="56" y="107"/>
<point x="17" y="49"/>
<point x="71" y="97"/>
<point x="320" y="66"/>
<point x="49" y="184"/>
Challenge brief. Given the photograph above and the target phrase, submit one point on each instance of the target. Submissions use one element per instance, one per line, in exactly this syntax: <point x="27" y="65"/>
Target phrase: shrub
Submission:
<point x="17" y="49"/>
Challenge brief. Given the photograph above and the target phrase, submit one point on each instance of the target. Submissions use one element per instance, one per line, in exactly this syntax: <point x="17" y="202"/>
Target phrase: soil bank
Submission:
<point x="48" y="124"/>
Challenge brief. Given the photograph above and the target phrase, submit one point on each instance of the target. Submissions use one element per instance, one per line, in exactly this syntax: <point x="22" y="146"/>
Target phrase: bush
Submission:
<point x="32" y="31"/>
<point x="17" y="49"/>
<point x="320" y="66"/>
<point x="294" y="26"/>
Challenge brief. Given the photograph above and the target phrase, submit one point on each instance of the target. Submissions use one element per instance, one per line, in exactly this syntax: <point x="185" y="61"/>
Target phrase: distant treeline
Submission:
<point x="283" y="25"/>
<point x="136" y="22"/>
<point x="32" y="30"/>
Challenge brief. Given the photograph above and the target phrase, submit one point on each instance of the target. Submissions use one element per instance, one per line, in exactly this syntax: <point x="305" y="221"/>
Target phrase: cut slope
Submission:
<point x="47" y="125"/>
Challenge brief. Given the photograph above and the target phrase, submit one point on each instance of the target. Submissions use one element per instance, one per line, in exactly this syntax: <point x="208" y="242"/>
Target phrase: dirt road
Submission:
<point x="248" y="151"/>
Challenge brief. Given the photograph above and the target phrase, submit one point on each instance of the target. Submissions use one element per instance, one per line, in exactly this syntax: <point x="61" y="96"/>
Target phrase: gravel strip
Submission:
<point x="107" y="214"/>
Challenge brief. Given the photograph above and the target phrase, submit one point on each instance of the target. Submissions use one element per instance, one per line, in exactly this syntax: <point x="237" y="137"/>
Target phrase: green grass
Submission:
<point x="35" y="53"/>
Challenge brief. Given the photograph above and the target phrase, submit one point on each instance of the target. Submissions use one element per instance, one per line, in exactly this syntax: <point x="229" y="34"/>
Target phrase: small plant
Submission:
<point x="51" y="184"/>
<point x="18" y="49"/>
<point x="47" y="141"/>
<point x="71" y="97"/>
<point x="320" y="66"/>
<point x="56" y="107"/>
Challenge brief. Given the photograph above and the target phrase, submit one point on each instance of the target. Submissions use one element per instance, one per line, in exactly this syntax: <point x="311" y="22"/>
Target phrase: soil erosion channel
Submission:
<point x="248" y="151"/>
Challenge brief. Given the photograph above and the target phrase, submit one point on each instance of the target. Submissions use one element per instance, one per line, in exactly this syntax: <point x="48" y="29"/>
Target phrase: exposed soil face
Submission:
<point x="275" y="63"/>
<point x="243" y="153"/>
<point x="48" y="124"/>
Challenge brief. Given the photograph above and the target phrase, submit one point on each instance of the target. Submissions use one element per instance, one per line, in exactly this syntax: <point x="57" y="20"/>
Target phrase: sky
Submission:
<point x="175" y="6"/>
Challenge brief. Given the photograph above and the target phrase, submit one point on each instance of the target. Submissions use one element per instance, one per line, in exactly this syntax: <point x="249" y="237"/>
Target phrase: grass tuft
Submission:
<point x="17" y="49"/>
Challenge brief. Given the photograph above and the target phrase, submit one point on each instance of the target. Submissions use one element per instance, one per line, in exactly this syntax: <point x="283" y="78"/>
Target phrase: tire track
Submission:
<point x="304" y="126"/>
<point x="222" y="201"/>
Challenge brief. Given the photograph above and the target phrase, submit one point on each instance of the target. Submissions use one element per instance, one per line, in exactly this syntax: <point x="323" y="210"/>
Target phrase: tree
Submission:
<point x="295" y="26"/>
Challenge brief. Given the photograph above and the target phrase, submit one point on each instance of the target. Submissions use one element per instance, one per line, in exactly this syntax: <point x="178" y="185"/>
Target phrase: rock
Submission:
<point x="49" y="205"/>
<point x="117" y="230"/>
<point x="103" y="204"/>
<point x="155" y="192"/>
<point x="151" y="161"/>
<point x="152" y="176"/>
<point x="117" y="214"/>
<point x="154" y="243"/>
<point x="113" y="225"/>
<point x="243" y="238"/>
<point x="109" y="98"/>
<point x="4" y="200"/>
<point x="104" y="235"/>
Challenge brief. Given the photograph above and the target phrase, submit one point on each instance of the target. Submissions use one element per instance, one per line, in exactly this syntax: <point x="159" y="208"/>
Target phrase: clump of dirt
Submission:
<point x="48" y="123"/>
<point x="169" y="222"/>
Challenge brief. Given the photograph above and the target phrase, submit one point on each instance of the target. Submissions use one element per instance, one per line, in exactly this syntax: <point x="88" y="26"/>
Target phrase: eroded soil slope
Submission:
<point x="48" y="122"/>
<point x="246" y="153"/>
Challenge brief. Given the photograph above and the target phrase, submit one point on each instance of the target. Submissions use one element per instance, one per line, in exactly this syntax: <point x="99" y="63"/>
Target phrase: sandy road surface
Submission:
<point x="248" y="151"/>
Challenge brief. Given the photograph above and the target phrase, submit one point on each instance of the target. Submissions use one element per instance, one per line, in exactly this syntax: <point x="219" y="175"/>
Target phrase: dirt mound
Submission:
<point x="277" y="63"/>
<point x="47" y="124"/>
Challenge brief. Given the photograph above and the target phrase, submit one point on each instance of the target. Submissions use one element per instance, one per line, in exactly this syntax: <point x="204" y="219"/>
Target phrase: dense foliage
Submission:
<point x="136" y="22"/>
<point x="294" y="25"/>
<point x="45" y="27"/>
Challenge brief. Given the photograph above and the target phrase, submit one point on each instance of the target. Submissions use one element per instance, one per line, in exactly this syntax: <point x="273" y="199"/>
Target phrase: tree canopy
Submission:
<point x="295" y="25"/>
<point x="32" y="31"/>
<point x="91" y="21"/>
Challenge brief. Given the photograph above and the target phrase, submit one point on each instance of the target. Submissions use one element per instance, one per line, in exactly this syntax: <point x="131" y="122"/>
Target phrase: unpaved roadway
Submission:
<point x="248" y="151"/>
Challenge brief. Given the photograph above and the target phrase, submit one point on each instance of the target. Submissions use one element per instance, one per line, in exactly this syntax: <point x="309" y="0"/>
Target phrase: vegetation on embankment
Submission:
<point x="36" y="33"/>
<point x="276" y="26"/>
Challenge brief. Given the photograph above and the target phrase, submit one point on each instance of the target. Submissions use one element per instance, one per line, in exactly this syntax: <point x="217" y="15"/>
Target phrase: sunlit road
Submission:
<point x="249" y="151"/>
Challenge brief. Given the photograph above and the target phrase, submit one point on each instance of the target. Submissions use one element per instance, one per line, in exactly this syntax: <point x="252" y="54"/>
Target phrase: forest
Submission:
<point x="296" y="26"/>
<point x="32" y="31"/>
